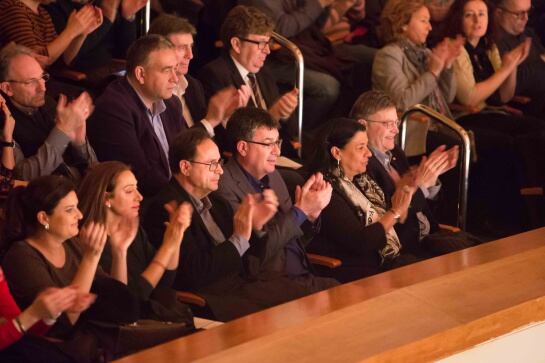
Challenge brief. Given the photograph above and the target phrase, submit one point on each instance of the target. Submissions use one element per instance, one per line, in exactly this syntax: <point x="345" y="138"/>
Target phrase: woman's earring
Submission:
<point x="339" y="169"/>
<point x="108" y="205"/>
<point x="46" y="226"/>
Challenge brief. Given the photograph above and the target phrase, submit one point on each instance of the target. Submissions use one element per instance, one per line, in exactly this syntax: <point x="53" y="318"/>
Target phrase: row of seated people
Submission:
<point x="401" y="69"/>
<point x="321" y="28"/>
<point x="233" y="235"/>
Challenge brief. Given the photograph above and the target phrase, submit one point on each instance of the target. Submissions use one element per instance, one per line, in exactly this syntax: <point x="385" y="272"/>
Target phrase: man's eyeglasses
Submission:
<point x="260" y="44"/>
<point x="517" y="14"/>
<point x="212" y="166"/>
<point x="388" y="124"/>
<point x="32" y="81"/>
<point x="268" y="145"/>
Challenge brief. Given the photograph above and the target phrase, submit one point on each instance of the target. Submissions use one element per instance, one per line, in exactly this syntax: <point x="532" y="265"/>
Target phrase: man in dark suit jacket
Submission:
<point x="246" y="37"/>
<point x="389" y="168"/>
<point x="256" y="145"/>
<point x="136" y="117"/>
<point x="212" y="115"/>
<point x="214" y="247"/>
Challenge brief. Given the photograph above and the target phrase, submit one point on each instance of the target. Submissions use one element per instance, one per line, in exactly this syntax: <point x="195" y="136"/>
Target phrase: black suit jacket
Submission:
<point x="195" y="98"/>
<point x="222" y="72"/>
<point x="216" y="272"/>
<point x="119" y="129"/>
<point x="408" y="232"/>
<point x="345" y="236"/>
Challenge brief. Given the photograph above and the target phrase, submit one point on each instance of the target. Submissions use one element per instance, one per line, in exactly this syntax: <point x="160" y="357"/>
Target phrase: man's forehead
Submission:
<point x="266" y="133"/>
<point x="162" y="58"/>
<point x="207" y="149"/>
<point x="181" y="38"/>
<point x="24" y="65"/>
<point x="517" y="5"/>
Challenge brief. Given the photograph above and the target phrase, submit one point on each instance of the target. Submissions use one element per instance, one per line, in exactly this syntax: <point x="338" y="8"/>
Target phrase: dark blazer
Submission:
<point x="409" y="231"/>
<point x="195" y="98"/>
<point x="119" y="129"/>
<point x="222" y="72"/>
<point x="345" y="236"/>
<point x="216" y="272"/>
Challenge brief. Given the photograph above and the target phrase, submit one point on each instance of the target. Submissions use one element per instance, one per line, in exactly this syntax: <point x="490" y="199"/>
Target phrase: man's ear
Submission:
<point x="184" y="167"/>
<point x="235" y="44"/>
<point x="363" y="122"/>
<point x="5" y="87"/>
<point x="242" y="147"/>
<point x="139" y="74"/>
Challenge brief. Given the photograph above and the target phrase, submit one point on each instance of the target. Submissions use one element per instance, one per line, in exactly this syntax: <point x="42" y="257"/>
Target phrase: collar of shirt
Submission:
<point x="157" y="107"/>
<point x="384" y="158"/>
<point x="181" y="87"/>
<point x="257" y="185"/>
<point x="243" y="71"/>
<point x="200" y="204"/>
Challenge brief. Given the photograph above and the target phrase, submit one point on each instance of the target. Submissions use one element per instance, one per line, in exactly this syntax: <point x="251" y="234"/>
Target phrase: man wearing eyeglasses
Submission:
<point x="389" y="168"/>
<point x="217" y="244"/>
<point x="512" y="19"/>
<point x="255" y="144"/>
<point x="246" y="36"/>
<point x="49" y="138"/>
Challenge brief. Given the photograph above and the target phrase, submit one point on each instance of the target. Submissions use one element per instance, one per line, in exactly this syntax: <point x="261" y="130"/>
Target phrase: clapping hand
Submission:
<point x="93" y="238"/>
<point x="313" y="196"/>
<point x="243" y="218"/>
<point x="178" y="222"/>
<point x="285" y="105"/>
<point x="265" y="207"/>
<point x="438" y="162"/>
<point x="72" y="116"/>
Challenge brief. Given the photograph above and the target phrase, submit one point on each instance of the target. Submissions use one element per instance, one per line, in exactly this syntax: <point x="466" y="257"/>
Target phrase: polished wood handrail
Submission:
<point x="370" y="293"/>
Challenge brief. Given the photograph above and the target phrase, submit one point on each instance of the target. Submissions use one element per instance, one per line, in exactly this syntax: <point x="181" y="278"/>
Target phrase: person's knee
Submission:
<point x="321" y="85"/>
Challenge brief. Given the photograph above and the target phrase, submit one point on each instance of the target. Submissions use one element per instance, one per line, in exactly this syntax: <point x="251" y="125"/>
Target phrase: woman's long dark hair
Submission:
<point x="24" y="203"/>
<point x="336" y="132"/>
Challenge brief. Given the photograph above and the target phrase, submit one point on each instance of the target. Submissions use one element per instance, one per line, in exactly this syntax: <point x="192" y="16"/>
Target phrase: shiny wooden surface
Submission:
<point x="354" y="321"/>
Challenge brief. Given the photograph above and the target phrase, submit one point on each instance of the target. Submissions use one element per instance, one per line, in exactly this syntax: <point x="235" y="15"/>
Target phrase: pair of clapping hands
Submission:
<point x="423" y="176"/>
<point x="257" y="209"/>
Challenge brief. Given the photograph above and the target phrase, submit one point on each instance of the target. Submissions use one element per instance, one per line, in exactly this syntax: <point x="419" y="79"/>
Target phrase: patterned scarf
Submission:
<point x="418" y="56"/>
<point x="369" y="200"/>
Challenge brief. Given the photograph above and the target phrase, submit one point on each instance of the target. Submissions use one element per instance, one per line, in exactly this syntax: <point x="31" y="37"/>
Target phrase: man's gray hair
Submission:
<point x="7" y="54"/>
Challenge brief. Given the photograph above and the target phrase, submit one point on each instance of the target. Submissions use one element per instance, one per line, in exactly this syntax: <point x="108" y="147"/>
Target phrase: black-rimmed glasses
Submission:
<point x="260" y="43"/>
<point x="212" y="166"/>
<point x="269" y="145"/>
<point x="33" y="81"/>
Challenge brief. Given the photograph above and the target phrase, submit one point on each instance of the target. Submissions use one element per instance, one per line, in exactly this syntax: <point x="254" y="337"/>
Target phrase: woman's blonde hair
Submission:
<point x="395" y="15"/>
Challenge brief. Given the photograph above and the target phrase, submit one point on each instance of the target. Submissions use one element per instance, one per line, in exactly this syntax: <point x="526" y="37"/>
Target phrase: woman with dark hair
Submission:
<point x="109" y="195"/>
<point x="369" y="244"/>
<point x="42" y="221"/>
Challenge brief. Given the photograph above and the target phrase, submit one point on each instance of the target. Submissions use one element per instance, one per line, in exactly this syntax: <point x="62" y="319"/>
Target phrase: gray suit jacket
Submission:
<point x="269" y="246"/>
<point x="394" y="74"/>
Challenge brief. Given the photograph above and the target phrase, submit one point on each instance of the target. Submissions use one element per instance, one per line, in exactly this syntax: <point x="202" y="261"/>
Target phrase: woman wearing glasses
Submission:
<point x="109" y="194"/>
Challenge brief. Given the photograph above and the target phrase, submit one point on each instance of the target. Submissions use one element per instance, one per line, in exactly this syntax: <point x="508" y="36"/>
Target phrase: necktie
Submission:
<point x="260" y="103"/>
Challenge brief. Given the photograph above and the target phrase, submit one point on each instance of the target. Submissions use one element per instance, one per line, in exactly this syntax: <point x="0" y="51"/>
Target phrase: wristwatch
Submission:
<point x="7" y="143"/>
<point x="397" y="216"/>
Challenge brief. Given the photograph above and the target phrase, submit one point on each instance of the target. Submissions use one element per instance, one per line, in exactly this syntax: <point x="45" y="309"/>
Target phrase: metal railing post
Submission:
<point x="465" y="154"/>
<point x="298" y="55"/>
